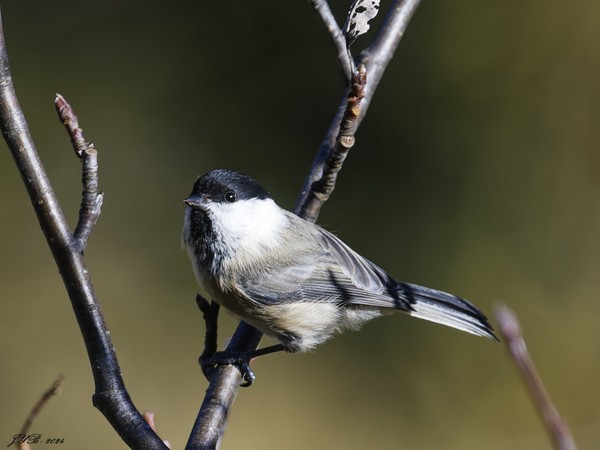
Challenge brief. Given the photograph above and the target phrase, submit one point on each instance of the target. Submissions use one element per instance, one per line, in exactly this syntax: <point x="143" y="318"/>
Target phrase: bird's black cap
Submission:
<point x="223" y="185"/>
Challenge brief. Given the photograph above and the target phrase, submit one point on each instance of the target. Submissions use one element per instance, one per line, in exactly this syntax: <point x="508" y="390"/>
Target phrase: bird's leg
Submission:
<point x="210" y="358"/>
<point x="210" y="314"/>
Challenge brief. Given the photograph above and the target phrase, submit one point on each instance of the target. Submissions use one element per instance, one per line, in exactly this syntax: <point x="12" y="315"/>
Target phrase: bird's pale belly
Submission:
<point x="298" y="325"/>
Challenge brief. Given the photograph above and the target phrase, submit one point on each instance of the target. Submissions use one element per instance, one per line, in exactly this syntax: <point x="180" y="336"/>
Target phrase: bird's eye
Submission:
<point x="230" y="196"/>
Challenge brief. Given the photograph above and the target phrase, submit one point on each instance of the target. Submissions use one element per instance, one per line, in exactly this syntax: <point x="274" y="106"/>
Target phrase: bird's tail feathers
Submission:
<point x="446" y="309"/>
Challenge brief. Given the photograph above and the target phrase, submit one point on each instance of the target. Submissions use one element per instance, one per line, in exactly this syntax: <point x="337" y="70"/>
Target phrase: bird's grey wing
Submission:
<point x="366" y="283"/>
<point x="279" y="284"/>
<point x="361" y="272"/>
<point x="332" y="272"/>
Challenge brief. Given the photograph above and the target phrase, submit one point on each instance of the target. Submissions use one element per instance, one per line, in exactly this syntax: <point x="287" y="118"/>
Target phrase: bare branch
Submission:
<point x="91" y="199"/>
<point x="558" y="430"/>
<point x="322" y="189"/>
<point x="225" y="382"/>
<point x="321" y="7"/>
<point x="319" y="164"/>
<point x="110" y="396"/>
<point x="375" y="58"/>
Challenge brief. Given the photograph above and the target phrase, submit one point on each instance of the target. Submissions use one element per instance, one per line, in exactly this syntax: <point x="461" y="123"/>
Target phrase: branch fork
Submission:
<point x="91" y="198"/>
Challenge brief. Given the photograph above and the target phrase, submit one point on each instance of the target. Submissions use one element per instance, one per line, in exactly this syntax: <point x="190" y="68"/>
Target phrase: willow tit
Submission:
<point x="290" y="278"/>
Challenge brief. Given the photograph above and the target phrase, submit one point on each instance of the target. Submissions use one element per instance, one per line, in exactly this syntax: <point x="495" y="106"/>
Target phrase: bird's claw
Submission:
<point x="240" y="360"/>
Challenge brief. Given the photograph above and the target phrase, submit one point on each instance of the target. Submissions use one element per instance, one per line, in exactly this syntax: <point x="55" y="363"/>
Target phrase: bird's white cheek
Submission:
<point x="249" y="225"/>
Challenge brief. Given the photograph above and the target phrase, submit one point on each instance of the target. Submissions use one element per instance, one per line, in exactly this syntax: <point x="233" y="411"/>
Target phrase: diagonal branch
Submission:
<point x="224" y="384"/>
<point x="322" y="189"/>
<point x="221" y="392"/>
<point x="322" y="9"/>
<point x="558" y="430"/>
<point x="110" y="396"/>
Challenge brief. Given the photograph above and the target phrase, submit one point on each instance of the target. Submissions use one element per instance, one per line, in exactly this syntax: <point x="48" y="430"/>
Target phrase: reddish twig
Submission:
<point x="71" y="123"/>
<point x="557" y="428"/>
<point x="91" y="199"/>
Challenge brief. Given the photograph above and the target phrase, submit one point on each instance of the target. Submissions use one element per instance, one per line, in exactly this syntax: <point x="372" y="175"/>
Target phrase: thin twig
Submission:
<point x="91" y="199"/>
<point x="22" y="439"/>
<point x="52" y="391"/>
<point x="558" y="430"/>
<point x="71" y="123"/>
<point x="322" y="9"/>
<point x="110" y="396"/>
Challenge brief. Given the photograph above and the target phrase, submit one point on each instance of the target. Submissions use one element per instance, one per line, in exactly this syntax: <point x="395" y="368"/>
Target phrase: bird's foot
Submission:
<point x="239" y="359"/>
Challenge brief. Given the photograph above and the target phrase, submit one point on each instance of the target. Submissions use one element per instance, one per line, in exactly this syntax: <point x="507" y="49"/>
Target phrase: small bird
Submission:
<point x="291" y="279"/>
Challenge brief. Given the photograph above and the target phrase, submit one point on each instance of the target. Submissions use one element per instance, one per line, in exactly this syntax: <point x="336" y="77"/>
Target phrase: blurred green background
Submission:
<point x="477" y="171"/>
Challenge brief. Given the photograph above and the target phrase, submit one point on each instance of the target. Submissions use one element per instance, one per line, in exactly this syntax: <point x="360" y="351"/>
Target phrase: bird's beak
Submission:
<point x="195" y="201"/>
